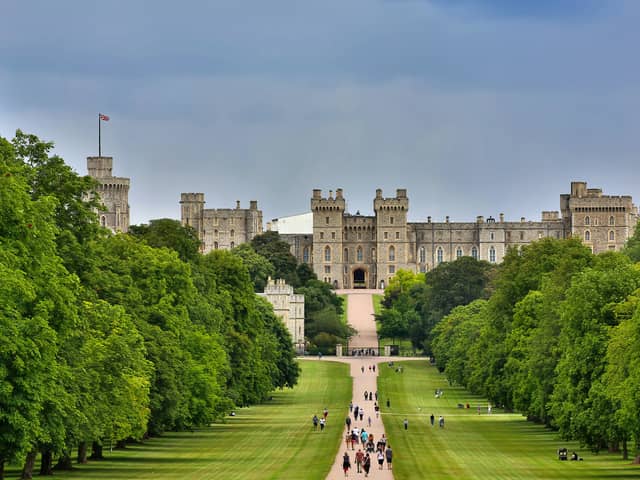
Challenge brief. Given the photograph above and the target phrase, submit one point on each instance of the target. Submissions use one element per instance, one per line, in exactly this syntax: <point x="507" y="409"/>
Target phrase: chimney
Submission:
<point x="502" y="218"/>
<point x="237" y="204"/>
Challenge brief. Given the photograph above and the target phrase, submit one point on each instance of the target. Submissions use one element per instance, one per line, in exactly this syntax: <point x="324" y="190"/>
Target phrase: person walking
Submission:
<point x="380" y="459"/>
<point x="355" y="413"/>
<point x="347" y="422"/>
<point x="361" y="413"/>
<point x="441" y="421"/>
<point x="351" y="406"/>
<point x="322" y="422"/>
<point x="406" y="424"/>
<point x="388" y="403"/>
<point x="315" y="422"/>
<point x="389" y="454"/>
<point x="359" y="460"/>
<point x="325" y="412"/>
<point x="346" y="463"/>
<point x="432" y="418"/>
<point x="366" y="464"/>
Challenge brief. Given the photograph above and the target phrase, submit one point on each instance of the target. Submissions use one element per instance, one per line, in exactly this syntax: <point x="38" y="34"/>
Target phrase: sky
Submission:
<point x="476" y="107"/>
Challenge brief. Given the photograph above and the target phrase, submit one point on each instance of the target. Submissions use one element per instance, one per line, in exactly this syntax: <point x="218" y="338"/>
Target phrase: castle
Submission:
<point x="357" y="251"/>
<point x="288" y="306"/>
<point x="114" y="194"/>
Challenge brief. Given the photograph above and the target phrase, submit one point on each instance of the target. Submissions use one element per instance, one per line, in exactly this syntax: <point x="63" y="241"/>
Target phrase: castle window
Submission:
<point x="305" y="255"/>
<point x="373" y="254"/>
<point x="391" y="220"/>
<point x="392" y="269"/>
<point x="215" y="233"/>
<point x="232" y="233"/>
<point x="215" y="245"/>
<point x="458" y="252"/>
<point x="587" y="236"/>
<point x="233" y="244"/>
<point x="386" y="235"/>
<point x="392" y="253"/>
<point x="327" y="254"/>
<point x="612" y="221"/>
<point x="397" y="235"/>
<point x="333" y="235"/>
<point x="474" y="253"/>
<point x="359" y="254"/>
<point x="595" y="222"/>
<point x="612" y="235"/>
<point x="492" y="255"/>
<point x="346" y="255"/>
<point x="423" y="269"/>
<point x="103" y="221"/>
<point x="521" y="235"/>
<point x="423" y="256"/>
<point x="359" y="235"/>
<point x="587" y="220"/>
<point x="326" y="220"/>
<point x="321" y="235"/>
<point x="492" y="236"/>
<point x="439" y="255"/>
<point x="327" y="269"/>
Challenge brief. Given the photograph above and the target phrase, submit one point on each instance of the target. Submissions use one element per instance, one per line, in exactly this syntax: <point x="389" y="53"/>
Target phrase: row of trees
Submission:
<point x="104" y="338"/>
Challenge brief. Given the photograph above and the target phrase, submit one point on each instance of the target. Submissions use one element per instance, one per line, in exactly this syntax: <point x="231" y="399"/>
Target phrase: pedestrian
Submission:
<point x="383" y="441"/>
<point x="347" y="422"/>
<point x="355" y="413"/>
<point x="374" y="368"/>
<point x="380" y="459"/>
<point x="366" y="395"/>
<point x="432" y="418"/>
<point x="351" y="406"/>
<point x="389" y="454"/>
<point x="441" y="421"/>
<point x="376" y="407"/>
<point x="376" y="395"/>
<point x="346" y="463"/>
<point x="362" y="368"/>
<point x="388" y="403"/>
<point x="364" y="435"/>
<point x="325" y="412"/>
<point x="322" y="422"/>
<point x="406" y="424"/>
<point x="315" y="422"/>
<point x="366" y="464"/>
<point x="359" y="460"/>
<point x="369" y="421"/>
<point x="489" y="409"/>
<point x="478" y="409"/>
<point x="361" y="414"/>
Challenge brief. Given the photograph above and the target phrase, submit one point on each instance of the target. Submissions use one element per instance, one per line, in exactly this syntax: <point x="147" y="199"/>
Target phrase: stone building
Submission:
<point x="220" y="228"/>
<point x="351" y="251"/>
<point x="288" y="306"/>
<point x="114" y="194"/>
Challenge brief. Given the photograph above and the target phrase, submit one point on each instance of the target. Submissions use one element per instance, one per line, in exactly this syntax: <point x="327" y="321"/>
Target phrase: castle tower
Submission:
<point x="192" y="212"/>
<point x="253" y="225"/>
<point x="391" y="235"/>
<point x="113" y="192"/>
<point x="327" y="236"/>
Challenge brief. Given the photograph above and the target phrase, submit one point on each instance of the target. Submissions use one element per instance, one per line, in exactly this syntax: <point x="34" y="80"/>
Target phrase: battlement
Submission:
<point x="399" y="202"/>
<point x="318" y="202"/>
<point x="100" y="167"/>
<point x="192" y="197"/>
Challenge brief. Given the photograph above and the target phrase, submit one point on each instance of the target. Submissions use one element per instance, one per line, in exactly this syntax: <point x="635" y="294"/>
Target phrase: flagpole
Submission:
<point x="99" y="139"/>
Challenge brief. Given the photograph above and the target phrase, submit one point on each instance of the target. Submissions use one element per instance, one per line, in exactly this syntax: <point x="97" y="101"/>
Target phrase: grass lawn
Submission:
<point x="377" y="303"/>
<point x="270" y="441"/>
<point x="472" y="446"/>
<point x="345" y="301"/>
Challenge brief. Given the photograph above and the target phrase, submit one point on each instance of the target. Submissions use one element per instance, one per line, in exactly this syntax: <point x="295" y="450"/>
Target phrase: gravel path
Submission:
<point x="360" y="316"/>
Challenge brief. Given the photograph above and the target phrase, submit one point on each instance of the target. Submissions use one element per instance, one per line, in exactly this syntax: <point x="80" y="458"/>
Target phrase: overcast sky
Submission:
<point x="476" y="107"/>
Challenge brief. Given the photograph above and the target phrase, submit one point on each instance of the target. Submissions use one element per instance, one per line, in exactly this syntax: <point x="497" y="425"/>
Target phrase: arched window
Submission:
<point x="612" y="220"/>
<point x="392" y="253"/>
<point x="346" y="255"/>
<point x="305" y="255"/>
<point x="474" y="253"/>
<point x="492" y="236"/>
<point x="103" y="221"/>
<point x="459" y="252"/>
<point x="587" y="220"/>
<point x="327" y="253"/>
<point x="373" y="254"/>
<point x="215" y="233"/>
<point x="587" y="236"/>
<point x="612" y="235"/>
<point x="439" y="255"/>
<point x="233" y="244"/>
<point x="423" y="256"/>
<point x="492" y="255"/>
<point x="232" y="233"/>
<point x="215" y="245"/>
<point x="359" y="254"/>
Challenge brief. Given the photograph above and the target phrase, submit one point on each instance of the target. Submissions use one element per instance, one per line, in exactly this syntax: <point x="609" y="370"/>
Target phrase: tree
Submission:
<point x="278" y="252"/>
<point x="171" y="234"/>
<point x="632" y="247"/>
<point x="260" y="269"/>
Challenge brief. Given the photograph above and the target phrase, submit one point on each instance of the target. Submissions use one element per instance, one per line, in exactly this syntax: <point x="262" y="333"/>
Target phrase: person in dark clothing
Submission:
<point x="346" y="463"/>
<point x="366" y="465"/>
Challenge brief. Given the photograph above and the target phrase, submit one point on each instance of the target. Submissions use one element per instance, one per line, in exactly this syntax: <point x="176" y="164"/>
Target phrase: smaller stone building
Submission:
<point x="288" y="306"/>
<point x="220" y="228"/>
<point x="114" y="194"/>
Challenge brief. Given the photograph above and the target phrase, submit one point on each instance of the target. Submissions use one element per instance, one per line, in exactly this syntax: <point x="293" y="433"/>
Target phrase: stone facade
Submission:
<point x="351" y="251"/>
<point x="114" y="194"/>
<point x="220" y="228"/>
<point x="288" y="306"/>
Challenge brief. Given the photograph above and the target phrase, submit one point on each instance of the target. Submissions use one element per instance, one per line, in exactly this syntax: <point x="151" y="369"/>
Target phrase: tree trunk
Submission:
<point x="1" y="469"/>
<point x="625" y="450"/>
<point x="64" y="463"/>
<point x="82" y="452"/>
<point x="30" y="461"/>
<point x="96" y="451"/>
<point x="46" y="462"/>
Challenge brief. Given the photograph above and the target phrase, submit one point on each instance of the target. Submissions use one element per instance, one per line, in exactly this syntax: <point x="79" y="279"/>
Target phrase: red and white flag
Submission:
<point x="104" y="117"/>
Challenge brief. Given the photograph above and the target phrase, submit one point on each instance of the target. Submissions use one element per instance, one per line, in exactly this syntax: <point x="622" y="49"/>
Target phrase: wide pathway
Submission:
<point x="360" y="316"/>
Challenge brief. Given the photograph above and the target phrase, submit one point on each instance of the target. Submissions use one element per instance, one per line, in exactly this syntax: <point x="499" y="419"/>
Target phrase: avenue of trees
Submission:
<point x="552" y="332"/>
<point x="106" y="338"/>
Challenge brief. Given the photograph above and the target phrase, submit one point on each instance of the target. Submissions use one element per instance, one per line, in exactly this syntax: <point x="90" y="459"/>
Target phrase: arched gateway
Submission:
<point x="359" y="278"/>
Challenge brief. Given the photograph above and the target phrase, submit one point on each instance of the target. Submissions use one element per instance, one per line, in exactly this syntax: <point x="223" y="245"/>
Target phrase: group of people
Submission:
<point x="363" y="459"/>
<point x="372" y="368"/>
<point x="322" y="421"/>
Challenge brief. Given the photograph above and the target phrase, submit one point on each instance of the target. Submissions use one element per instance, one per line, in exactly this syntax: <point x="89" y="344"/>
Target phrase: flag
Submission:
<point x="104" y="117"/>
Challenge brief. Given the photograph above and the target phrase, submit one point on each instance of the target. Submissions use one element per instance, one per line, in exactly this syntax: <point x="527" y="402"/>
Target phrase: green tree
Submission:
<point x="171" y="234"/>
<point x="260" y="269"/>
<point x="632" y="247"/>
<point x="278" y="252"/>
